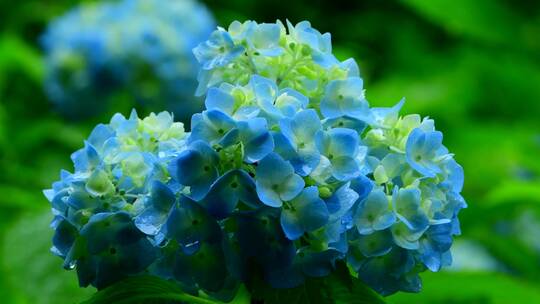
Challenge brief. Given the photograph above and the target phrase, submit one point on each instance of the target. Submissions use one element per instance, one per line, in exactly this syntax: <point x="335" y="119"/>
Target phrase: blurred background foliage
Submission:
<point x="474" y="66"/>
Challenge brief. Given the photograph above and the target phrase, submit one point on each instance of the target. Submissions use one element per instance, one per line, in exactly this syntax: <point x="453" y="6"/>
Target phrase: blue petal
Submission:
<point x="190" y="225"/>
<point x="227" y="191"/>
<point x="306" y="212"/>
<point x="273" y="168"/>
<point x="374" y="213"/>
<point x="267" y="195"/>
<point x="291" y="225"/>
<point x="196" y="168"/>
<point x="290" y="101"/>
<point x="261" y="238"/>
<point x="375" y="244"/>
<point x="406" y="238"/>
<point x="385" y="274"/>
<point x="265" y="39"/>
<point x="263" y="88"/>
<point x="218" y="51"/>
<point x="150" y="221"/>
<point x="301" y="129"/>
<point x="341" y="201"/>
<point x="345" y="168"/>
<point x="161" y="196"/>
<point x="100" y="134"/>
<point x="64" y="237"/>
<point x="291" y="187"/>
<point x="157" y="207"/>
<point x="317" y="264"/>
<point x="283" y="147"/>
<point x="344" y="97"/>
<point x="436" y="244"/>
<point x="337" y="142"/>
<point x="258" y="142"/>
<point x="362" y="186"/>
<point x="303" y="162"/>
<point x="345" y="122"/>
<point x="204" y="267"/>
<point x="407" y="205"/>
<point x="422" y="150"/>
<point x="218" y="99"/>
<point x="210" y="126"/>
<point x="385" y="117"/>
<point x="455" y="175"/>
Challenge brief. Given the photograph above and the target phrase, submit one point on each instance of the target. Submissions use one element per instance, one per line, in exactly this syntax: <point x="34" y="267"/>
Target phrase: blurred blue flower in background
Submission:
<point x="139" y="48"/>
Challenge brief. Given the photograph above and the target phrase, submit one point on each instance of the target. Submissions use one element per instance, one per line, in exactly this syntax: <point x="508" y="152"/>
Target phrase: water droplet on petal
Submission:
<point x="191" y="248"/>
<point x="70" y="265"/>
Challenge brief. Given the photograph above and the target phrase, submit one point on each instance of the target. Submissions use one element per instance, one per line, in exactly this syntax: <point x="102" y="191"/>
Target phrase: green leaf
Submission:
<point x="486" y="20"/>
<point x="15" y="197"/>
<point x="521" y="260"/>
<point x="463" y="287"/>
<point x="3" y="126"/>
<point x="30" y="272"/>
<point x="311" y="292"/>
<point x="149" y="289"/>
<point x="503" y="206"/>
<point x="515" y="192"/>
<point x="47" y="130"/>
<point x="15" y="53"/>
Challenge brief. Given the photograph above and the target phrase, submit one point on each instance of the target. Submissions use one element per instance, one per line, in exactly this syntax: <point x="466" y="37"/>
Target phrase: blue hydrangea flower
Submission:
<point x="264" y="39"/>
<point x="276" y="181"/>
<point x="158" y="204"/>
<point x="300" y="131"/>
<point x="434" y="249"/>
<point x="340" y="147"/>
<point x="230" y="189"/>
<point x="306" y="212"/>
<point x="97" y="52"/>
<point x="341" y="202"/>
<point x="377" y="243"/>
<point x="196" y="167"/>
<point x="407" y="206"/>
<point x="119" y="173"/>
<point x="344" y="97"/>
<point x="287" y="173"/>
<point x="294" y="56"/>
<point x="254" y="135"/>
<point x="375" y="213"/>
<point x="217" y="51"/>
<point x="211" y="126"/>
<point x="199" y="259"/>
<point x="190" y="225"/>
<point x="424" y="150"/>
<point x="390" y="273"/>
<point x="109" y="247"/>
<point x="260" y="237"/>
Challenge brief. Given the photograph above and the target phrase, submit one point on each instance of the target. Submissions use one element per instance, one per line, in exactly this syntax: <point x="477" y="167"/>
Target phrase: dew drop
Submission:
<point x="70" y="265"/>
<point x="191" y="248"/>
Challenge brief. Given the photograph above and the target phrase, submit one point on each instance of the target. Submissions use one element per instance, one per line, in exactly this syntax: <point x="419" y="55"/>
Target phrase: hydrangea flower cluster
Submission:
<point x="93" y="207"/>
<point x="142" y="47"/>
<point x="286" y="172"/>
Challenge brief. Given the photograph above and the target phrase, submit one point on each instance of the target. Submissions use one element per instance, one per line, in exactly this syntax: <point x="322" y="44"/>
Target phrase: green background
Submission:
<point x="473" y="66"/>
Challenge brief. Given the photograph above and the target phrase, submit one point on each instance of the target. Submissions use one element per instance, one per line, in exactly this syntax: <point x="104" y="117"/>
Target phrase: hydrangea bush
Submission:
<point x="287" y="172"/>
<point x="142" y="47"/>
